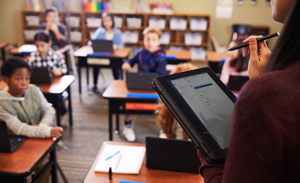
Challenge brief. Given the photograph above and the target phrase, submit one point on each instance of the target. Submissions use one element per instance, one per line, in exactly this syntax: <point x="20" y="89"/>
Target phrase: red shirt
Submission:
<point x="265" y="136"/>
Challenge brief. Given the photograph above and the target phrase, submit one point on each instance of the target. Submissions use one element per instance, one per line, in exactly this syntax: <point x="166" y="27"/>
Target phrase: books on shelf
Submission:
<point x="94" y="7"/>
<point x="134" y="49"/>
<point x="134" y="22"/>
<point x="142" y="6"/>
<point x="161" y="8"/>
<point x="41" y="5"/>
<point x="32" y="20"/>
<point x="122" y="159"/>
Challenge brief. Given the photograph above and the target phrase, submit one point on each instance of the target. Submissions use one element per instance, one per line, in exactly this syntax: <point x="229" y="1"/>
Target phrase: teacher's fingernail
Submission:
<point x="252" y="40"/>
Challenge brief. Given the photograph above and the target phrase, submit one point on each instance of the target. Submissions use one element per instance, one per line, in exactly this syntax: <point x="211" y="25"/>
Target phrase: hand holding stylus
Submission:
<point x="259" y="56"/>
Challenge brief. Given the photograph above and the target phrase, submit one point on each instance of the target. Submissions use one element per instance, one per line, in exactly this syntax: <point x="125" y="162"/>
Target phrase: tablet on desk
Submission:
<point x="203" y="106"/>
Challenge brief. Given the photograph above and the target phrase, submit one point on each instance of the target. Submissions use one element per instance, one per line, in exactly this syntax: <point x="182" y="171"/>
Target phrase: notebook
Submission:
<point x="122" y="159"/>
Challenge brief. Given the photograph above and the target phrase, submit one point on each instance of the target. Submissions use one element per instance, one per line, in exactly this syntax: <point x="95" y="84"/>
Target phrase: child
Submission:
<point x="236" y="64"/>
<point x="149" y="59"/>
<point x="46" y="57"/>
<point x="107" y="32"/>
<point x="23" y="106"/>
<point x="56" y="30"/>
<point x="165" y="119"/>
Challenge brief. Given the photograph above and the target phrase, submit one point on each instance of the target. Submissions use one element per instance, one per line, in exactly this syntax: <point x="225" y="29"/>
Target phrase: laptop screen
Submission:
<point x="210" y="105"/>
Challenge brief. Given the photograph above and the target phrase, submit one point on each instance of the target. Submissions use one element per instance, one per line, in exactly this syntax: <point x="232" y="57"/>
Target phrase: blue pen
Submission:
<point x="112" y="155"/>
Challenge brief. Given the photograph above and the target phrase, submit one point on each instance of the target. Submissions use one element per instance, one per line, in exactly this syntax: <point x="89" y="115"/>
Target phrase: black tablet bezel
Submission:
<point x="199" y="127"/>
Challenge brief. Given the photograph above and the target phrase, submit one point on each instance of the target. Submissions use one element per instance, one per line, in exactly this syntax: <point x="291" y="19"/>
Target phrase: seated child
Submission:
<point x="165" y="119"/>
<point x="22" y="105"/>
<point x="46" y="57"/>
<point x="235" y="64"/>
<point x="149" y="59"/>
<point x="56" y="30"/>
<point x="24" y="108"/>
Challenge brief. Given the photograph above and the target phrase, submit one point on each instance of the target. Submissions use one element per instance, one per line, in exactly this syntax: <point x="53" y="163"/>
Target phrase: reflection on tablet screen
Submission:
<point x="209" y="104"/>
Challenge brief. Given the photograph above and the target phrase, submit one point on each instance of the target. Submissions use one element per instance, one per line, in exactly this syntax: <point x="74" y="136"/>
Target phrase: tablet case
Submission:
<point x="185" y="124"/>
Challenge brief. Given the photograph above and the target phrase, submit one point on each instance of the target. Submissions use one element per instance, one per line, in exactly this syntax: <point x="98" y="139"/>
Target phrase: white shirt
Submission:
<point x="109" y="36"/>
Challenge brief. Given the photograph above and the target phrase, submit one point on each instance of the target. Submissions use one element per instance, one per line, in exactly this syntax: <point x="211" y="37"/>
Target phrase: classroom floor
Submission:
<point x="90" y="129"/>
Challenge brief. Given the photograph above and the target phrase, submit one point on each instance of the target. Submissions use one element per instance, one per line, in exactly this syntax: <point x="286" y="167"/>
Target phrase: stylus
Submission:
<point x="258" y="40"/>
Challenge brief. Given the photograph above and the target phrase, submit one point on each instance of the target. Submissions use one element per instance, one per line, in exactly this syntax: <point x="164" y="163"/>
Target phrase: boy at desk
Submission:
<point x="24" y="108"/>
<point x="22" y="105"/>
<point x="149" y="59"/>
<point x="56" y="30"/>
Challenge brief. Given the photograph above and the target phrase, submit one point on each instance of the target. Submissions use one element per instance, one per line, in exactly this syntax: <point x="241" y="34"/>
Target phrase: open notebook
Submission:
<point x="122" y="159"/>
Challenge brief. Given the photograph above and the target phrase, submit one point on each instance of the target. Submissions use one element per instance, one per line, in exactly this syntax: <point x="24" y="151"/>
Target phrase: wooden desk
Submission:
<point x="52" y="92"/>
<point x="145" y="175"/>
<point x="16" y="166"/>
<point x="213" y="56"/>
<point x="181" y="56"/>
<point x="2" y="47"/>
<point x="116" y="60"/>
<point x="63" y="50"/>
<point x="116" y="93"/>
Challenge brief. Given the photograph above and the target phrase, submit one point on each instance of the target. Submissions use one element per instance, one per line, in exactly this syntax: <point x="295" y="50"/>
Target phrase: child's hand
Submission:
<point x="56" y="132"/>
<point x="54" y="27"/>
<point x="57" y="72"/>
<point x="126" y="67"/>
<point x="115" y="47"/>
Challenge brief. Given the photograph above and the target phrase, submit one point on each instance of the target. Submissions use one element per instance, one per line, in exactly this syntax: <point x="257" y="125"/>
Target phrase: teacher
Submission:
<point x="265" y="136"/>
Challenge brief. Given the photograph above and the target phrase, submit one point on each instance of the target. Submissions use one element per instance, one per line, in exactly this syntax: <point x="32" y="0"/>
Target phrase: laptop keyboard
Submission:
<point x="14" y="141"/>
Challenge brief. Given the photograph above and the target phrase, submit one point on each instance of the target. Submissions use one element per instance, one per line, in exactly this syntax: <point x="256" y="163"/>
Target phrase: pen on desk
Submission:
<point x="258" y="40"/>
<point x="110" y="173"/>
<point x="112" y="155"/>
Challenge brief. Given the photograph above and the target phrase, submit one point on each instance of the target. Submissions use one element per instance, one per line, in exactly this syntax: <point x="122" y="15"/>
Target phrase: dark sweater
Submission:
<point x="265" y="136"/>
<point x="62" y="29"/>
<point x="149" y="62"/>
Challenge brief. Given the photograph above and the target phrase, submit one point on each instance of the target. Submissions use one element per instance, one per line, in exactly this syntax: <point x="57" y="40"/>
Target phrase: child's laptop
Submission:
<point x="172" y="155"/>
<point x="9" y="143"/>
<point x="102" y="45"/>
<point x="139" y="80"/>
<point x="235" y="83"/>
<point x="41" y="75"/>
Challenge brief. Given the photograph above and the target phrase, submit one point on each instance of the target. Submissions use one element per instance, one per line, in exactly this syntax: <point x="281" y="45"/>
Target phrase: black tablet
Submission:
<point x="203" y="106"/>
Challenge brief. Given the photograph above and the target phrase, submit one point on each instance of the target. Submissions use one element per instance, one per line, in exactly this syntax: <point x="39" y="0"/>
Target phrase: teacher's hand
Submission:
<point x="259" y="56"/>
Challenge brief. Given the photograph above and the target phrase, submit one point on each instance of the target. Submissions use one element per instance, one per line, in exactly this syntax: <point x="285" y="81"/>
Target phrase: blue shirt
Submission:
<point x="149" y="62"/>
<point x="100" y="34"/>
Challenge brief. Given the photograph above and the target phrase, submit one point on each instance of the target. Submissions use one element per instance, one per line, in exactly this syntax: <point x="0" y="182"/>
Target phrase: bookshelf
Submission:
<point x="177" y="37"/>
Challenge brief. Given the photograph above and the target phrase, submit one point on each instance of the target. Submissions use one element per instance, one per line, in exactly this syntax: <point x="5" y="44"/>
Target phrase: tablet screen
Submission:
<point x="210" y="105"/>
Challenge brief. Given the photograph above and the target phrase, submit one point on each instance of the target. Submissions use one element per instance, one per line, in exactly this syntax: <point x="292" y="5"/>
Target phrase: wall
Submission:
<point x="10" y="21"/>
<point x="260" y="14"/>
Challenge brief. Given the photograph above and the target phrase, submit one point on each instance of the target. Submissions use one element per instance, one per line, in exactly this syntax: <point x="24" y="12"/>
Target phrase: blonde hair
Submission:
<point x="152" y="30"/>
<point x="165" y="120"/>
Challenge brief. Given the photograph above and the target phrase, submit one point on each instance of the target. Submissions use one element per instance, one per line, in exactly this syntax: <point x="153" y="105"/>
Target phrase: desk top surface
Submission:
<point x="119" y="53"/>
<point x="2" y="45"/>
<point x="145" y="175"/>
<point x="58" y="85"/>
<point x="213" y="56"/>
<point x="118" y="89"/>
<point x="26" y="155"/>
<point x="61" y="50"/>
<point x="180" y="55"/>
